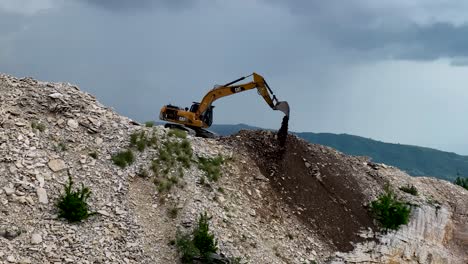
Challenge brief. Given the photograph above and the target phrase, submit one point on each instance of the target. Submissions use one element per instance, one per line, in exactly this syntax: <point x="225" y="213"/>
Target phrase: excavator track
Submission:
<point x="193" y="131"/>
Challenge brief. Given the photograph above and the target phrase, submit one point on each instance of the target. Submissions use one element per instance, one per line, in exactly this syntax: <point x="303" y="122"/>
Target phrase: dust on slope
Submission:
<point x="317" y="183"/>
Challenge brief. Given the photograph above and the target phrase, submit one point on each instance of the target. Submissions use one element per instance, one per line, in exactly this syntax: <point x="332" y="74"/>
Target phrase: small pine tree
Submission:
<point x="199" y="244"/>
<point x="202" y="239"/>
<point x="390" y="212"/>
<point x="72" y="204"/>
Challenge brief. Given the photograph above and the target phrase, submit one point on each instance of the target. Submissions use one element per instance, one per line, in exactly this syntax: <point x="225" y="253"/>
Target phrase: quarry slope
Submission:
<point x="293" y="204"/>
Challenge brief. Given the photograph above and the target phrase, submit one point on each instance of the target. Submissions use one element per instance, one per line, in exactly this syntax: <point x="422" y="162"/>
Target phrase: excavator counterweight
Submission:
<point x="200" y="114"/>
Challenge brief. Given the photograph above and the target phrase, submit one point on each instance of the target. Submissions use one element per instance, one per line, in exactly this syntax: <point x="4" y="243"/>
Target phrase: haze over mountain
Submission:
<point x="415" y="160"/>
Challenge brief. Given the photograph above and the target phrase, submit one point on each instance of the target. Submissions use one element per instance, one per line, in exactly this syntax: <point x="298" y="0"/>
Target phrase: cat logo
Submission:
<point x="237" y="89"/>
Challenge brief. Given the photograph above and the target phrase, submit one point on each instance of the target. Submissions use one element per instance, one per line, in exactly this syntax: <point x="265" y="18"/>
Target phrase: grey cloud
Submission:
<point x="10" y="23"/>
<point x="415" y="42"/>
<point x="383" y="33"/>
<point x="138" y="5"/>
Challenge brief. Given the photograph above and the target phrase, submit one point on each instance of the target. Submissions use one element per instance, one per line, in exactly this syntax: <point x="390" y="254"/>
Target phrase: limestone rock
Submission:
<point x="42" y="195"/>
<point x="72" y="123"/>
<point x="8" y="190"/>
<point x="36" y="238"/>
<point x="57" y="165"/>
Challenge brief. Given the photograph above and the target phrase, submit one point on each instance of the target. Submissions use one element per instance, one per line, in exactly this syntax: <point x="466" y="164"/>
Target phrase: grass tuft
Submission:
<point x="211" y="167"/>
<point x="149" y="123"/>
<point x="123" y="158"/>
<point x="38" y="126"/>
<point x="174" y="132"/>
<point x="410" y="189"/>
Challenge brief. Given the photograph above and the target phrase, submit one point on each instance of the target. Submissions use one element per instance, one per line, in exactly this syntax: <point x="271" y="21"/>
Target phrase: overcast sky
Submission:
<point x="391" y="70"/>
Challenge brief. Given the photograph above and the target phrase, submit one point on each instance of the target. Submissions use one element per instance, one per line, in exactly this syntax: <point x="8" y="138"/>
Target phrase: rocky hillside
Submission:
<point x="301" y="203"/>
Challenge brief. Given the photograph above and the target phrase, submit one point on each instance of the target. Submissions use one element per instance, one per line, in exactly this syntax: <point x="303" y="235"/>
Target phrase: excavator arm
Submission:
<point x="230" y="89"/>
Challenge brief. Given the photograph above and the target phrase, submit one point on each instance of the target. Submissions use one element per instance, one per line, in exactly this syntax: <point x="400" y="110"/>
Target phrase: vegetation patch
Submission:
<point x="149" y="123"/>
<point x="38" y="126"/>
<point x="390" y="212"/>
<point x="174" y="132"/>
<point x="141" y="140"/>
<point x="60" y="147"/>
<point x="199" y="244"/>
<point x="174" y="155"/>
<point x="123" y="158"/>
<point x="72" y="205"/>
<point x="173" y="212"/>
<point x="463" y="182"/>
<point x="410" y="189"/>
<point x="211" y="166"/>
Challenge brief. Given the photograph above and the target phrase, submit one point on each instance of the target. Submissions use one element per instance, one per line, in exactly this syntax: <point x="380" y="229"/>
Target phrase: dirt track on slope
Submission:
<point x="316" y="183"/>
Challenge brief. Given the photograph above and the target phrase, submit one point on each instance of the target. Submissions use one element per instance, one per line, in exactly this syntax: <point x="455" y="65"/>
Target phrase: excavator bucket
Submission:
<point x="282" y="106"/>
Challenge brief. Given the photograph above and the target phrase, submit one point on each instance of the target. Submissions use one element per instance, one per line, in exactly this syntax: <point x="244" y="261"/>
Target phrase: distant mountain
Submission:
<point x="416" y="161"/>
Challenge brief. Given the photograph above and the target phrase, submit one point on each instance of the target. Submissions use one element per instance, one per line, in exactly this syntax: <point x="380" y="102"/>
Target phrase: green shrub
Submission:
<point x="72" y="204"/>
<point x="173" y="212"/>
<point x="39" y="126"/>
<point x="142" y="173"/>
<point x="149" y="123"/>
<point x="202" y="239"/>
<point x="164" y="155"/>
<point x="173" y="155"/>
<point x="410" y="189"/>
<point x="61" y="147"/>
<point x="164" y="185"/>
<point x="463" y="182"/>
<point x="123" y="158"/>
<point x="174" y="132"/>
<point x="140" y="140"/>
<point x="200" y="244"/>
<point x="211" y="166"/>
<point x="155" y="167"/>
<point x="390" y="212"/>
<point x="186" y="248"/>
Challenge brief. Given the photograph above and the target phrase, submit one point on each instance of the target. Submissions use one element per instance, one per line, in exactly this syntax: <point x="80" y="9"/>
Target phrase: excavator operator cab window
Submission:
<point x="208" y="116"/>
<point x="194" y="107"/>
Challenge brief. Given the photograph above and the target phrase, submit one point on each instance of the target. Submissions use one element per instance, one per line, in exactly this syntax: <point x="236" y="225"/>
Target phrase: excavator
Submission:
<point x="200" y="114"/>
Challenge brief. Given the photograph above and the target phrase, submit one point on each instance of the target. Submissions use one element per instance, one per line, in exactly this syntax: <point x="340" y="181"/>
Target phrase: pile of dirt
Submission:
<point x="316" y="182"/>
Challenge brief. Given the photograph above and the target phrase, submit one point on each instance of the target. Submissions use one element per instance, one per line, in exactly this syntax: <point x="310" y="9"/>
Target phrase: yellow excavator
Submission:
<point x="200" y="114"/>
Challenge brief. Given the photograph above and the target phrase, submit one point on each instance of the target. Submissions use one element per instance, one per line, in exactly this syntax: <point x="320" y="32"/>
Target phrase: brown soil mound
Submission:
<point x="316" y="182"/>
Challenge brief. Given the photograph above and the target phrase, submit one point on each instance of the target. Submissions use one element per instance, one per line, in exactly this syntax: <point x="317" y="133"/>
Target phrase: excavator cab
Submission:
<point x="207" y="116"/>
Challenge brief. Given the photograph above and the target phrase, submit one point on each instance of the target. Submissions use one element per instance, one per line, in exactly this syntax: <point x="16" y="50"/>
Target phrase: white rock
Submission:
<point x="72" y="123"/>
<point x="103" y="212"/>
<point x="36" y="238"/>
<point x="56" y="95"/>
<point x="98" y="141"/>
<point x="119" y="211"/>
<point x="57" y="165"/>
<point x="40" y="179"/>
<point x="42" y="195"/>
<point x="8" y="190"/>
<point x="25" y="261"/>
<point x="11" y="259"/>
